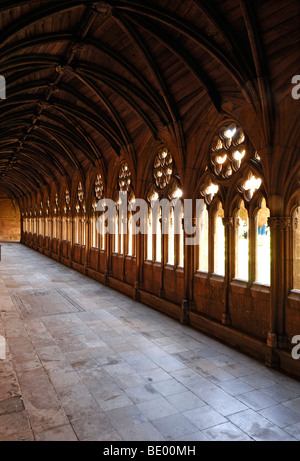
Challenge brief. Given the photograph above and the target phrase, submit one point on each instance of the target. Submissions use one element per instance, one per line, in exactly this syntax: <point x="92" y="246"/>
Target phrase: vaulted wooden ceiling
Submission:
<point x="90" y="81"/>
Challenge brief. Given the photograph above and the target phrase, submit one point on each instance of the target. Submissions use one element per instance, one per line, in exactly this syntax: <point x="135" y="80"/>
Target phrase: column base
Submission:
<point x="272" y="340"/>
<point x="283" y="342"/>
<point x="136" y="291"/>
<point x="184" y="313"/>
<point x="272" y="359"/>
<point x="226" y="319"/>
<point x="106" y="281"/>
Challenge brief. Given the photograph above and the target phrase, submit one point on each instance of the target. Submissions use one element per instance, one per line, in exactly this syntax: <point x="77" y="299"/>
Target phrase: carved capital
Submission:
<point x="227" y="222"/>
<point x="188" y="223"/>
<point x="282" y="223"/>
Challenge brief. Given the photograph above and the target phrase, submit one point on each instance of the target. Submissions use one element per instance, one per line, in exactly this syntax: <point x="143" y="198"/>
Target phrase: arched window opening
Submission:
<point x="102" y="235"/>
<point x="158" y="224"/>
<point x="203" y="238"/>
<point x="130" y="236"/>
<point x="150" y="236"/>
<point x="242" y="244"/>
<point x="116" y="236"/>
<point x="76" y="223"/>
<point x="151" y="225"/>
<point x="181" y="240"/>
<point x="94" y="233"/>
<point x="64" y="229"/>
<point x="296" y="255"/>
<point x="263" y="259"/>
<point x="171" y="236"/>
<point x="219" y="242"/>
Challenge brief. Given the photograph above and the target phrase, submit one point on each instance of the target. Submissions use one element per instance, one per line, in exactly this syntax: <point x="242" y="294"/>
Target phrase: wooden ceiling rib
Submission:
<point x="88" y="82"/>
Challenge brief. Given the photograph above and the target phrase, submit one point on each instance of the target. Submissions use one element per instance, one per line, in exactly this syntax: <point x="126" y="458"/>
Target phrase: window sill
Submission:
<point x="157" y="264"/>
<point x="294" y="295"/>
<point x="202" y="274"/>
<point x="217" y="277"/>
<point x="240" y="283"/>
<point x="216" y="280"/>
<point x="130" y="257"/>
<point x="260" y="288"/>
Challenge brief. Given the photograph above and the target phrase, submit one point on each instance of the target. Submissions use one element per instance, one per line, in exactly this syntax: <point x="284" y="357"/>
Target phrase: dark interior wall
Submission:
<point x="10" y="220"/>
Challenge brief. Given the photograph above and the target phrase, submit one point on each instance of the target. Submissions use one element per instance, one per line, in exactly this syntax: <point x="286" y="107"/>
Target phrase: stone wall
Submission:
<point x="10" y="225"/>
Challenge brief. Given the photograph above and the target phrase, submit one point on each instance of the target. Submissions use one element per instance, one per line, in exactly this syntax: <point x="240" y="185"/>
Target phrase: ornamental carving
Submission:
<point x="227" y="222"/>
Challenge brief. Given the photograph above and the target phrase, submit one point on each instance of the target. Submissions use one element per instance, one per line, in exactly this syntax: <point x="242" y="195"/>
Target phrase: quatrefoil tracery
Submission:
<point x="229" y="147"/>
<point x="163" y="168"/>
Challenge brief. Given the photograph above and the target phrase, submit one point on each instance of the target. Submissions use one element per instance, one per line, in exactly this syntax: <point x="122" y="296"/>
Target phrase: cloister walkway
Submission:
<point x="84" y="362"/>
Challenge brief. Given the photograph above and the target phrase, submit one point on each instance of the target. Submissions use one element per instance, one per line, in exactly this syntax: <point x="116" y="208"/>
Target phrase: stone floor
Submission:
<point x="84" y="362"/>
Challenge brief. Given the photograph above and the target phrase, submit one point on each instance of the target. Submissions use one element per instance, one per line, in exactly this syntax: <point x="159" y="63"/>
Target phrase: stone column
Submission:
<point x="164" y="252"/>
<point x="229" y="235"/>
<point x="72" y="222"/>
<point x="88" y="245"/>
<point x="140" y="258"/>
<point x="59" y="235"/>
<point x="189" y="269"/>
<point x="280" y="229"/>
